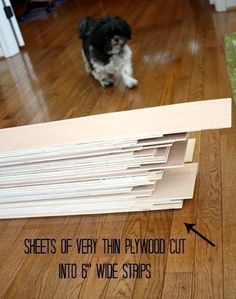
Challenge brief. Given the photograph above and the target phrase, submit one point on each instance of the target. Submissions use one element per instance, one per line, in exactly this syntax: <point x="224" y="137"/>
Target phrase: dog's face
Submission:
<point x="115" y="44"/>
<point x="108" y="35"/>
<point x="111" y="35"/>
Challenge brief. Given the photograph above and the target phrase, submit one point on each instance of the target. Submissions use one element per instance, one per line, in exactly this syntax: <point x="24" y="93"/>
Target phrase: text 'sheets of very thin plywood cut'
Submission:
<point x="135" y="160"/>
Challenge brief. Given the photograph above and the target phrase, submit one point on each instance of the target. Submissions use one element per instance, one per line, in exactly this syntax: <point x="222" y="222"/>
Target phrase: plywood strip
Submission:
<point x="84" y="186"/>
<point x="175" y="158"/>
<point x="190" y="150"/>
<point x="143" y="191"/>
<point x="121" y="161"/>
<point x="75" y="210"/>
<point x="72" y="175"/>
<point x="67" y="193"/>
<point x="143" y="123"/>
<point x="36" y="158"/>
<point x="90" y="202"/>
<point x="39" y="175"/>
<point x="164" y="139"/>
<point x="176" y="184"/>
<point x="68" y="176"/>
<point x="76" y="150"/>
<point x="140" y="191"/>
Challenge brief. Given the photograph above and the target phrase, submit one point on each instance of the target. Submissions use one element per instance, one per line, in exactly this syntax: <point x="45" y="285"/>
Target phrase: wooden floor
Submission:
<point x="178" y="56"/>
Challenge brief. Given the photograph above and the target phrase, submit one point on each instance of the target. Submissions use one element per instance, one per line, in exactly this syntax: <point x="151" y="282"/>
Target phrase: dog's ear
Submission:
<point x="86" y="26"/>
<point x="125" y="27"/>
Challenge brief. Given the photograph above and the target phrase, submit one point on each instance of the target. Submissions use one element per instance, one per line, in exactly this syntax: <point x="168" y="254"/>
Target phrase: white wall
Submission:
<point x="230" y="3"/>
<point x="223" y="5"/>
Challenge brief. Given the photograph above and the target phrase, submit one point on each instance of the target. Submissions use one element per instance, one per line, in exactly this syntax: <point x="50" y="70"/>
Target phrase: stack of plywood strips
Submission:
<point x="116" y="162"/>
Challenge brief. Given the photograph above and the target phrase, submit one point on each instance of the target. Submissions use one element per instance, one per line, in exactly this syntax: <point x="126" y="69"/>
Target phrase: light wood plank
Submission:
<point x="138" y="191"/>
<point x="121" y="160"/>
<point x="176" y="184"/>
<point x="73" y="210"/>
<point x="190" y="150"/>
<point x="147" y="122"/>
<point x="70" y="176"/>
<point x="100" y="149"/>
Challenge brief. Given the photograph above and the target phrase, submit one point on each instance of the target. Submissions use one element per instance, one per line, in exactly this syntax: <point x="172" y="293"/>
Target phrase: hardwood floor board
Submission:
<point x="12" y="263"/>
<point x="177" y="286"/>
<point x="167" y="92"/>
<point x="196" y="87"/>
<point x="208" y="260"/>
<point x="187" y="48"/>
<point x="228" y="148"/>
<point x="20" y="285"/>
<point x="112" y="229"/>
<point x="135" y="227"/>
<point x="159" y="226"/>
<point x="183" y="261"/>
<point x="47" y="279"/>
<point x="210" y="217"/>
<point x="10" y="230"/>
<point x="162" y="69"/>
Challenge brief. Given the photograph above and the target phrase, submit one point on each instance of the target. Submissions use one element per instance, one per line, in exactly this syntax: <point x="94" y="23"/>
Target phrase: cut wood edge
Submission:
<point x="190" y="150"/>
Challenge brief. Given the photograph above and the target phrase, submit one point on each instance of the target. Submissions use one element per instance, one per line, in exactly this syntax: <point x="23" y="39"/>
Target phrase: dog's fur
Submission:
<point x="105" y="50"/>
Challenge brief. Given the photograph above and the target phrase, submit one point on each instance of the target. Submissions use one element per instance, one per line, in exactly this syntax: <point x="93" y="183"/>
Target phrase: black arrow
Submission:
<point x="189" y="226"/>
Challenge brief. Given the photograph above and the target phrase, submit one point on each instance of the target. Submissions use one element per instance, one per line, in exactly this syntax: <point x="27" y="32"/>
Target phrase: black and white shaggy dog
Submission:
<point x="105" y="50"/>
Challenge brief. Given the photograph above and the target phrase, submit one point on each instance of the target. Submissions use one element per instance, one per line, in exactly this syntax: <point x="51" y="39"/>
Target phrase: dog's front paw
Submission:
<point x="131" y="83"/>
<point x="106" y="83"/>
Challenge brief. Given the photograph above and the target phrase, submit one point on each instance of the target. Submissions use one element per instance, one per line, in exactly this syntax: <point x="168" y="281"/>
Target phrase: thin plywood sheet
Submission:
<point x="76" y="210"/>
<point x="68" y="176"/>
<point x="177" y="183"/>
<point x="190" y="150"/>
<point x="175" y="158"/>
<point x="142" y="123"/>
<point x="71" y="150"/>
<point x="108" y="162"/>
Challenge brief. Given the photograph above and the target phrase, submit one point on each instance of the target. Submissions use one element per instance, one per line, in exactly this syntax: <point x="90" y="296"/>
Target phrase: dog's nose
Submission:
<point x="116" y="39"/>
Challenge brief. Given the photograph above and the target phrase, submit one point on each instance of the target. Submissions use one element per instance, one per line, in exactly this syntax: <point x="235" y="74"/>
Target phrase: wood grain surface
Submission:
<point x="178" y="56"/>
<point x="131" y="124"/>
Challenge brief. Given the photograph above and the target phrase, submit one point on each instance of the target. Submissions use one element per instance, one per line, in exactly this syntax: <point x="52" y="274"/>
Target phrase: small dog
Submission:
<point x="105" y="50"/>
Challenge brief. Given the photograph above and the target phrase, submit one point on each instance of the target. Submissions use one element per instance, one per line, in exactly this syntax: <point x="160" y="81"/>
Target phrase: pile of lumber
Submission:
<point x="133" y="160"/>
